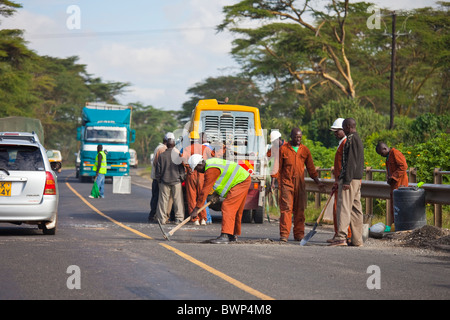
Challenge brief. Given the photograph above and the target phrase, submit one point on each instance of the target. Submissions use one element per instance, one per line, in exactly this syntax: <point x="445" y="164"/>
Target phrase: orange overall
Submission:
<point x="232" y="206"/>
<point x="291" y="180"/>
<point x="396" y="167"/>
<point x="194" y="179"/>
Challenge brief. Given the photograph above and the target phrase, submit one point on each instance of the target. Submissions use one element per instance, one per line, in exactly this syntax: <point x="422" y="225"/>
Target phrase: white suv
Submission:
<point x="28" y="186"/>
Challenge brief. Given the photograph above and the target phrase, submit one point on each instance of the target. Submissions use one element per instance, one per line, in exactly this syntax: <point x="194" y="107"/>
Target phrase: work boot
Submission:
<point x="223" y="238"/>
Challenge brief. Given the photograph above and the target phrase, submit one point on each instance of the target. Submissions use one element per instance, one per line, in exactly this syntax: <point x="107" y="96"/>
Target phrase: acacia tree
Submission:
<point x="151" y="124"/>
<point x="316" y="50"/>
<point x="238" y="89"/>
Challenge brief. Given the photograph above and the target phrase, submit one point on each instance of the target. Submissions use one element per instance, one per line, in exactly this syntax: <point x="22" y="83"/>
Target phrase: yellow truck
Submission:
<point x="236" y="129"/>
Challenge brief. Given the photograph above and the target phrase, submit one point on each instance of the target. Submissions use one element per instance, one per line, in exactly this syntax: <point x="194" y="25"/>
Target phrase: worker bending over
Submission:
<point x="397" y="175"/>
<point x="228" y="180"/>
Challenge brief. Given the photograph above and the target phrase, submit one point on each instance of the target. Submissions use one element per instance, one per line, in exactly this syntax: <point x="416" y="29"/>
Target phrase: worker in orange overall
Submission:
<point x="194" y="179"/>
<point x="397" y="176"/>
<point x="342" y="138"/>
<point x="228" y="180"/>
<point x="291" y="181"/>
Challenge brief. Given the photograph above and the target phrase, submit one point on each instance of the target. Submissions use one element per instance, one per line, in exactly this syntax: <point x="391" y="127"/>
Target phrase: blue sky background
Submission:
<point x="162" y="47"/>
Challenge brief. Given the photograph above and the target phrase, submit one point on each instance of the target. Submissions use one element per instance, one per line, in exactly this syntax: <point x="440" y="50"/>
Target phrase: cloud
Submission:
<point x="139" y="94"/>
<point x="114" y="58"/>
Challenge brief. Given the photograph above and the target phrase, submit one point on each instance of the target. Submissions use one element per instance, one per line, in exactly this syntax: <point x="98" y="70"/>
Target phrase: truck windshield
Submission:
<point x="106" y="134"/>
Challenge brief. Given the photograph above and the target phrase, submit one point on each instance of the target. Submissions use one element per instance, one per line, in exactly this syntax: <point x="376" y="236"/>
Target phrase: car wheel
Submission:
<point x="47" y="231"/>
<point x="258" y="215"/>
<point x="247" y="216"/>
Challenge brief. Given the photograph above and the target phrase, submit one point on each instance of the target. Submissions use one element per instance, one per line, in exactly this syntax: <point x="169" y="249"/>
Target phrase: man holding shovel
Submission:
<point x="349" y="210"/>
<point x="228" y="180"/>
<point x="339" y="133"/>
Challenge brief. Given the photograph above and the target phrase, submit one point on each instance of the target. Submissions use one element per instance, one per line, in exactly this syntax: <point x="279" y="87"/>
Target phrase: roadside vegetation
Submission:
<point x="299" y="71"/>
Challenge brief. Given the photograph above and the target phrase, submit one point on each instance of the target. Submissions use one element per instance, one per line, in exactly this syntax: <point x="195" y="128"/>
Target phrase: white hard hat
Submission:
<point x="337" y="124"/>
<point x="274" y="135"/>
<point x="169" y="135"/>
<point x="194" y="160"/>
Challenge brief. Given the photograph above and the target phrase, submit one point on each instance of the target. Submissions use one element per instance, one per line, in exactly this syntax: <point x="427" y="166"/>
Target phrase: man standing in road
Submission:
<point x="100" y="166"/>
<point x="291" y="181"/>
<point x="349" y="210"/>
<point x="170" y="173"/>
<point x="228" y="180"/>
<point x="342" y="138"/>
<point x="396" y="167"/>
<point x="160" y="148"/>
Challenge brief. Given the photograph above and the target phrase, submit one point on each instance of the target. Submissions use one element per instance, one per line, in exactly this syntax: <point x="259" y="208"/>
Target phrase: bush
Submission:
<point x="434" y="153"/>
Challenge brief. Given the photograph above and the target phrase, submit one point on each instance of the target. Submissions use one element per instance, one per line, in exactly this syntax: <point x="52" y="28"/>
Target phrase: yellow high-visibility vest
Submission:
<point x="103" y="165"/>
<point x="230" y="174"/>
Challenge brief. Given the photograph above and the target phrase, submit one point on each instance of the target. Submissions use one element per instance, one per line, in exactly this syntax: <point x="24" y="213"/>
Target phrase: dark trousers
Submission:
<point x="154" y="199"/>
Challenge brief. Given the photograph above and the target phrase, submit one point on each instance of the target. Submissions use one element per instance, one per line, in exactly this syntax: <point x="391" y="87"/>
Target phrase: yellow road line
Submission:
<point x="204" y="266"/>
<point x="107" y="217"/>
<point x="221" y="275"/>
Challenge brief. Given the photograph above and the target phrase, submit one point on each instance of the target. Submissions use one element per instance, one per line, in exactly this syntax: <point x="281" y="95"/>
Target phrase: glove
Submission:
<point x="213" y="198"/>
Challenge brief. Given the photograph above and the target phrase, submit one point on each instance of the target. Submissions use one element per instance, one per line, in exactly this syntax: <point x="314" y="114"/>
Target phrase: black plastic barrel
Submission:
<point x="409" y="208"/>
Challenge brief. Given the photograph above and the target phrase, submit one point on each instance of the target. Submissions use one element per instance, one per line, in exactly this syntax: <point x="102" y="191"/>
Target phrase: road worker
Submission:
<point x="194" y="179"/>
<point x="228" y="180"/>
<point x="100" y="168"/>
<point x="339" y="133"/>
<point x="291" y="166"/>
<point x="349" y="210"/>
<point x="397" y="176"/>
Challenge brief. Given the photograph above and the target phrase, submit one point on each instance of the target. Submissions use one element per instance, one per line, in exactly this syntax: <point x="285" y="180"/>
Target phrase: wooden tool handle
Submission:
<point x="171" y="232"/>
<point x="323" y="210"/>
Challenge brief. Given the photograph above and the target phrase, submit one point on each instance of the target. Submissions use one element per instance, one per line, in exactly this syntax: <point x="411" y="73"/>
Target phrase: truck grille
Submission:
<point x="225" y="127"/>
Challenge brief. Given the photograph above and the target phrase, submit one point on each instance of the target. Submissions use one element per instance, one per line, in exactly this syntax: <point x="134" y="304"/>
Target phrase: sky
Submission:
<point x="162" y="48"/>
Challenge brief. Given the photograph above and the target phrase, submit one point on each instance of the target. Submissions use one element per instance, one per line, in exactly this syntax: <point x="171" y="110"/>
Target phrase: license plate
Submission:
<point x="5" y="189"/>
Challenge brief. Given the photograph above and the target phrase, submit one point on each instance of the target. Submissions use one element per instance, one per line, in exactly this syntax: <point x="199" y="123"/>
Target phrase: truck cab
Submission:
<point x="235" y="133"/>
<point x="108" y="125"/>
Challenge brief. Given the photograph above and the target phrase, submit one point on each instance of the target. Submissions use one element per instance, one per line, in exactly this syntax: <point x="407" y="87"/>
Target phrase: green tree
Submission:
<point x="422" y="61"/>
<point x="151" y="125"/>
<point x="16" y="65"/>
<point x="238" y="89"/>
<point x="8" y="8"/>
<point x="310" y="53"/>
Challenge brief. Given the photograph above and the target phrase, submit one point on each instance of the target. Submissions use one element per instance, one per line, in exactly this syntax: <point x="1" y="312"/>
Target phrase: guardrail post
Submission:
<point x="369" y="201"/>
<point x="437" y="207"/>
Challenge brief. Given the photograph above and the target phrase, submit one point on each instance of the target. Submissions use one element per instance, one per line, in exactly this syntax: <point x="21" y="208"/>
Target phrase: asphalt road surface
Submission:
<point x="105" y="249"/>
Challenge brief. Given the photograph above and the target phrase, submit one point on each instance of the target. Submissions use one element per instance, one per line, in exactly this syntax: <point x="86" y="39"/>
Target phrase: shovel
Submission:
<point x="313" y="231"/>
<point x="171" y="232"/>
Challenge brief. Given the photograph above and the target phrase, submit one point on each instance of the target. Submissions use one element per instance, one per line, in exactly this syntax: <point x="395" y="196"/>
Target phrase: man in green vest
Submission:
<point x="100" y="170"/>
<point x="228" y="180"/>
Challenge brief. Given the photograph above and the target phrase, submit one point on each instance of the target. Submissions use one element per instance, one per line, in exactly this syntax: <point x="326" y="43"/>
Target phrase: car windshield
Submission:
<point x="106" y="134"/>
<point x="21" y="158"/>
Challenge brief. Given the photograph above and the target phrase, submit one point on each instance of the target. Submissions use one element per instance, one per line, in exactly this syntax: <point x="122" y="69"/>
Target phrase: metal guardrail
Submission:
<point x="437" y="194"/>
<point x="434" y="193"/>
